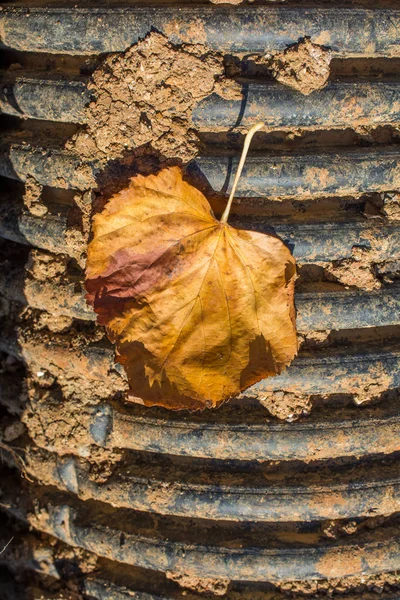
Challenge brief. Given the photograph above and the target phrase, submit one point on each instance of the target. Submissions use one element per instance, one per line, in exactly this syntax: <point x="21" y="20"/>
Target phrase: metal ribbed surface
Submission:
<point x="247" y="497"/>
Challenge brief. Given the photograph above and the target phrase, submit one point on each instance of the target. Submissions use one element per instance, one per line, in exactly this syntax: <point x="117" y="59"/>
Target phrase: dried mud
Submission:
<point x="32" y="197"/>
<point x="145" y="96"/>
<point x="303" y="66"/>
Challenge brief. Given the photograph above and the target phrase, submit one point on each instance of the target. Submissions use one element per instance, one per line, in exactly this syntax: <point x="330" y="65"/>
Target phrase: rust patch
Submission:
<point x="304" y="66"/>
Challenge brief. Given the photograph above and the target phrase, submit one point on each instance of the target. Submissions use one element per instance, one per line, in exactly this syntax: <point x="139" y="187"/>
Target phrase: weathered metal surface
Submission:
<point x="227" y="505"/>
<point x="46" y="99"/>
<point x="321" y="437"/>
<point x="295" y="176"/>
<point x="311" y="440"/>
<point x="103" y="590"/>
<point x="301" y="176"/>
<point x="84" y="30"/>
<point x="347" y="310"/>
<point x="309" y="242"/>
<point x="316" y="311"/>
<point x="49" y="166"/>
<point x="339" y="104"/>
<point x="247" y="563"/>
<point x="48" y="233"/>
<point x="219" y="500"/>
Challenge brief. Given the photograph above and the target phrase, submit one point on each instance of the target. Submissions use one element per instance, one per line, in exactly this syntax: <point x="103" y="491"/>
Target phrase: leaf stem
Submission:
<point x="246" y="145"/>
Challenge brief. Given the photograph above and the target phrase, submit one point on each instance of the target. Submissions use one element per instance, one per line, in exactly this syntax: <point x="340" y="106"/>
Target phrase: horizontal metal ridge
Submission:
<point x="316" y="310"/>
<point x="358" y="497"/>
<point x="339" y="104"/>
<point x="296" y="176"/>
<point x="309" y="242"/>
<point x="321" y="436"/>
<point x="247" y="563"/>
<point x="54" y="167"/>
<point x="307" y="441"/>
<point x="84" y="30"/>
<point x="44" y="98"/>
<point x="303" y="176"/>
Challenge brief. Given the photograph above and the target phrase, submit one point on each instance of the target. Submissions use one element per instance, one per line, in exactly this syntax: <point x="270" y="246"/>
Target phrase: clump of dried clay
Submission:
<point x="217" y="587"/>
<point x="32" y="197"/>
<point x="391" y="206"/>
<point x="235" y="2"/>
<point x="287" y="406"/>
<point x="357" y="271"/>
<point x="146" y="96"/>
<point x="303" y="66"/>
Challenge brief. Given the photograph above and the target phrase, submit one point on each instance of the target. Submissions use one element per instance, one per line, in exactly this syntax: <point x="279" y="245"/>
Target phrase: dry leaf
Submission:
<point x="198" y="310"/>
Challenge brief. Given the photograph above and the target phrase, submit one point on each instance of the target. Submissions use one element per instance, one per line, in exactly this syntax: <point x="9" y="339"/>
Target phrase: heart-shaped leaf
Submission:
<point x="198" y="310"/>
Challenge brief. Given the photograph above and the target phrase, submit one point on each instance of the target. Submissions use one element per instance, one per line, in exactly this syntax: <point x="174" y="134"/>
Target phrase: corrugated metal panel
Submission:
<point x="235" y="494"/>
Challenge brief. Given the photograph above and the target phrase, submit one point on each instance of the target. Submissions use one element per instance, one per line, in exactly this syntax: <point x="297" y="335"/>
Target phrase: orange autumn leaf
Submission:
<point x="198" y="310"/>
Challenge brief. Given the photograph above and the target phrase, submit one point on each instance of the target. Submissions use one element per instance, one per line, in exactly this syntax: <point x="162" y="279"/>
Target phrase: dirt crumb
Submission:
<point x="357" y="271"/>
<point x="32" y="197"/>
<point x="218" y="587"/>
<point x="375" y="582"/>
<point x="146" y="96"/>
<point x="374" y="387"/>
<point x="304" y="66"/>
<point x="235" y="2"/>
<point x="287" y="406"/>
<point x="43" y="265"/>
<point x="54" y="323"/>
<point x="391" y="206"/>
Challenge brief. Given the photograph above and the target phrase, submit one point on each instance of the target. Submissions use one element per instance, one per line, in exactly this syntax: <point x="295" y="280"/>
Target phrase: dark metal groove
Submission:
<point x="102" y="590"/>
<point x="258" y="29"/>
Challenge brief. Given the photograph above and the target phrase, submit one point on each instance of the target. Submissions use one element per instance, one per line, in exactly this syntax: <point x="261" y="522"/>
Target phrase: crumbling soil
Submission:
<point x="32" y="197"/>
<point x="287" y="406"/>
<point x="217" y="587"/>
<point x="145" y="96"/>
<point x="391" y="206"/>
<point x="303" y="66"/>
